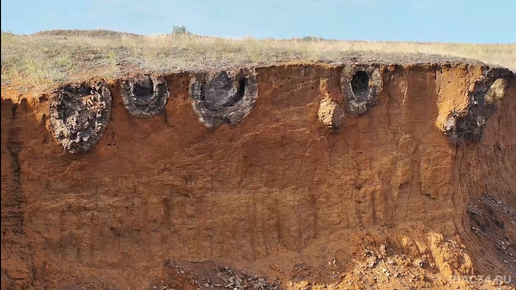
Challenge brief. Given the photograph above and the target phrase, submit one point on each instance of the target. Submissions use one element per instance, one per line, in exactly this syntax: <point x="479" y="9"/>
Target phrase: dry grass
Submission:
<point x="44" y="58"/>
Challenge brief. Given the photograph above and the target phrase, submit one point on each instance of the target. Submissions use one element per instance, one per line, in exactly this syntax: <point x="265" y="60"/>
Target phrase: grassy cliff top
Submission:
<point x="49" y="57"/>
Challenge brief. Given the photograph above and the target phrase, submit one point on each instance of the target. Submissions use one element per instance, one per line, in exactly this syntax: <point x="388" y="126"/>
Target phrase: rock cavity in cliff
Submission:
<point x="144" y="96"/>
<point x="360" y="86"/>
<point x="223" y="97"/>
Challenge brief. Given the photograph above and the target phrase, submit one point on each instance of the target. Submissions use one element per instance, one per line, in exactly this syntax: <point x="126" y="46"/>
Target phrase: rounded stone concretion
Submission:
<point x="496" y="91"/>
<point x="223" y="97"/>
<point x="330" y="114"/>
<point x="144" y="96"/>
<point x="79" y="114"/>
<point x="360" y="86"/>
<point x="483" y="102"/>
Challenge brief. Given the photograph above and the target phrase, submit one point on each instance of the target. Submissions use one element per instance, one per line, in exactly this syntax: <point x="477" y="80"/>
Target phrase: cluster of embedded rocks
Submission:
<point x="79" y="113"/>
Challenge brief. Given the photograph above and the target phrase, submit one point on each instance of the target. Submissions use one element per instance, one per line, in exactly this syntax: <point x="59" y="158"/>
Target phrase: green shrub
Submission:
<point x="179" y="30"/>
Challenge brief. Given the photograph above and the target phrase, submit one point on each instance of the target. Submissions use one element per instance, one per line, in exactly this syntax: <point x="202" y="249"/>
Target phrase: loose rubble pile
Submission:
<point x="489" y="219"/>
<point x="209" y="275"/>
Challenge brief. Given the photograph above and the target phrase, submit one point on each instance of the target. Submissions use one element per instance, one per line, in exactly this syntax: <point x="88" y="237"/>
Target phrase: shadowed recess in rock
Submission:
<point x="483" y="103"/>
<point x="360" y="86"/>
<point x="79" y="114"/>
<point x="223" y="97"/>
<point x="144" y="96"/>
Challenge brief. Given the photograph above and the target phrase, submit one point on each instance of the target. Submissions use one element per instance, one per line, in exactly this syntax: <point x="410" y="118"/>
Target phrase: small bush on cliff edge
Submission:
<point x="180" y="30"/>
<point x="312" y="38"/>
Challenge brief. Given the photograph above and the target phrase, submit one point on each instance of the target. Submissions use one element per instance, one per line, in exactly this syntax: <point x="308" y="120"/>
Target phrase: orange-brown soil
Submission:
<point x="287" y="198"/>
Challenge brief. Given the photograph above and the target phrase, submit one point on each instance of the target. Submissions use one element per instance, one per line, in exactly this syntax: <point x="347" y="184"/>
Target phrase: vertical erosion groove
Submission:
<point x="79" y="114"/>
<point x="12" y="193"/>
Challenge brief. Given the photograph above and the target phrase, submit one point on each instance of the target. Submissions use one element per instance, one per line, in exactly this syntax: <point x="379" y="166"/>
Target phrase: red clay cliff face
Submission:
<point x="304" y="186"/>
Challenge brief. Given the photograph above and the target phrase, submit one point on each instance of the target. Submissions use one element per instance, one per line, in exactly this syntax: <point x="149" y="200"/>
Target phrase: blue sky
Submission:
<point x="466" y="21"/>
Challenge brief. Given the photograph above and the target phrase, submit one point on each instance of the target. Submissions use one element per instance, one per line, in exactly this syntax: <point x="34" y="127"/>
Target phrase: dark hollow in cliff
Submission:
<point x="144" y="96"/>
<point x="360" y="86"/>
<point x="223" y="97"/>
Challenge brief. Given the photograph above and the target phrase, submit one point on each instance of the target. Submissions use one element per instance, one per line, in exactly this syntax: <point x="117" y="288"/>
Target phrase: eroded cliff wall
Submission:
<point x="283" y="165"/>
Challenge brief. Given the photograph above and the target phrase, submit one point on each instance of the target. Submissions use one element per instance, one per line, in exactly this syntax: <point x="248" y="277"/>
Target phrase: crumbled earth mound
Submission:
<point x="209" y="275"/>
<point x="356" y="175"/>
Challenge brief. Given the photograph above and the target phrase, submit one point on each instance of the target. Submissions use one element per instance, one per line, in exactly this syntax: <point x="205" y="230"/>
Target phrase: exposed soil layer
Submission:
<point x="264" y="178"/>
